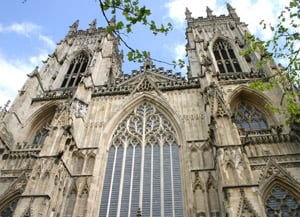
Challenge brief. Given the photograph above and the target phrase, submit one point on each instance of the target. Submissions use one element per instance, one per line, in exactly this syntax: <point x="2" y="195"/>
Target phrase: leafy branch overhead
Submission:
<point x="285" y="47"/>
<point x="133" y="13"/>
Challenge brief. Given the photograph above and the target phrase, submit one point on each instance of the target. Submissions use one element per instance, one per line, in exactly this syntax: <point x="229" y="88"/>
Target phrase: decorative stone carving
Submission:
<point x="273" y="169"/>
<point x="79" y="108"/>
<point x="232" y="162"/>
<point x="245" y="208"/>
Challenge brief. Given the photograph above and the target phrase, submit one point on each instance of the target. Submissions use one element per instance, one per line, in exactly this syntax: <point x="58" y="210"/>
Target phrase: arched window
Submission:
<point x="249" y="119"/>
<point x="281" y="203"/>
<point x="143" y="167"/>
<point x="40" y="136"/>
<point x="225" y="57"/>
<point x="9" y="210"/>
<point x="75" y="72"/>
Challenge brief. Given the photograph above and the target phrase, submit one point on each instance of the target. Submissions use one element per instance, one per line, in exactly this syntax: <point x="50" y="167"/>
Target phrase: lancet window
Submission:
<point x="282" y="203"/>
<point x="76" y="70"/>
<point x="143" y="167"/>
<point x="249" y="119"/>
<point x="225" y="57"/>
<point x="40" y="136"/>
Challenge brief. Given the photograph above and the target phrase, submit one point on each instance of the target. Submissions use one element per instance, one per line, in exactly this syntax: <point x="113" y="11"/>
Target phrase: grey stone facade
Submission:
<point x="84" y="139"/>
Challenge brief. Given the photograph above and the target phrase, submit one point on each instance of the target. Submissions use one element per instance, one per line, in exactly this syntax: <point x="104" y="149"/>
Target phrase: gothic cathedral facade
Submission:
<point x="84" y="139"/>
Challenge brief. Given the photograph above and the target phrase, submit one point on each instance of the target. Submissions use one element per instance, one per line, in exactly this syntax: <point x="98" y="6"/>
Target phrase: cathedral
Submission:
<point x="85" y="139"/>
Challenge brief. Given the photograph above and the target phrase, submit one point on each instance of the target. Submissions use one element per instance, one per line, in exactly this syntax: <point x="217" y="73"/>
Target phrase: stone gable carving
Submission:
<point x="147" y="80"/>
<point x="273" y="170"/>
<point x="245" y="208"/>
<point x="213" y="97"/>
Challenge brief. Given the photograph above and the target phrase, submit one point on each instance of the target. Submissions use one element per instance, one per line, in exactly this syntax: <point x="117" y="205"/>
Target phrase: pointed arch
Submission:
<point x="38" y="123"/>
<point x="77" y="162"/>
<point x="77" y="68"/>
<point x="10" y="198"/>
<point x="250" y="111"/>
<point x="129" y="105"/>
<point x="194" y="156"/>
<point x="144" y="151"/>
<point x="281" y="196"/>
<point x="225" y="56"/>
<point x="90" y="163"/>
<point x="212" y="195"/>
<point x="71" y="200"/>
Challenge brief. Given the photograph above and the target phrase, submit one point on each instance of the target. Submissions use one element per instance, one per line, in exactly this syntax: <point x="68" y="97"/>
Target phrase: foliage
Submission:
<point x="285" y="47"/>
<point x="132" y="13"/>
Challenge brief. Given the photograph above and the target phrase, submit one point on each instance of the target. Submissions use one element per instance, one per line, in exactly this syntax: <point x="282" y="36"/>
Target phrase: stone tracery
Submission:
<point x="146" y="141"/>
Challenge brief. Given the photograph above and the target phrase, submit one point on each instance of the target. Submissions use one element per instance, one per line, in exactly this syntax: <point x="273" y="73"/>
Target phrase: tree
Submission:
<point x="284" y="46"/>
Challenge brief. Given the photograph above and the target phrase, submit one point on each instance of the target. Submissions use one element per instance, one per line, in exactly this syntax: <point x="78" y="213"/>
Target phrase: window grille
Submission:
<point x="143" y="169"/>
<point x="249" y="119"/>
<point x="75" y="72"/>
<point x="281" y="203"/>
<point x="225" y="57"/>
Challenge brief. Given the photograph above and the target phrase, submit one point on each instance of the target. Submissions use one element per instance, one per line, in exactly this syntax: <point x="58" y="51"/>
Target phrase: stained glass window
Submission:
<point x="225" y="57"/>
<point x="282" y="203"/>
<point x="75" y="72"/>
<point x="143" y="169"/>
<point x="249" y="119"/>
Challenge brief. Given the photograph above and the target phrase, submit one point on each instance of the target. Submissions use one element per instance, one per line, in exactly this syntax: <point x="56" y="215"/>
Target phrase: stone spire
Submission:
<point x="92" y="26"/>
<point x="148" y="62"/>
<point x="209" y="12"/>
<point x="188" y="14"/>
<point x="232" y="12"/>
<point x="73" y="27"/>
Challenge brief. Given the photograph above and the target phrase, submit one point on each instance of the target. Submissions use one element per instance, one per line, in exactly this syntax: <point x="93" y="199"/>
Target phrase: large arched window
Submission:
<point x="225" y="57"/>
<point x="76" y="70"/>
<point x="249" y="119"/>
<point x="281" y="203"/>
<point x="143" y="167"/>
<point x="9" y="210"/>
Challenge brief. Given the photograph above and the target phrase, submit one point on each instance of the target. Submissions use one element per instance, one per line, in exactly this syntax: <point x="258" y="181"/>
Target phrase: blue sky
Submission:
<point x="29" y="31"/>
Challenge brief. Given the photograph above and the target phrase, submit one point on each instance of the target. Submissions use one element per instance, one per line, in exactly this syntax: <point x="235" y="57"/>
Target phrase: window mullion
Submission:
<point x="122" y="178"/>
<point x="131" y="181"/>
<point x="151" y="182"/>
<point x="230" y="59"/>
<point x="162" y="178"/>
<point x="111" y="185"/>
<point x="172" y="177"/>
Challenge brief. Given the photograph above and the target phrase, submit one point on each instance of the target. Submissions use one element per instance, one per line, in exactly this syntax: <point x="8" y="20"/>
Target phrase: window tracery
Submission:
<point x="8" y="211"/>
<point x="75" y="72"/>
<point x="145" y="153"/>
<point x="281" y="203"/>
<point x="225" y="57"/>
<point x="249" y="119"/>
<point x="40" y="136"/>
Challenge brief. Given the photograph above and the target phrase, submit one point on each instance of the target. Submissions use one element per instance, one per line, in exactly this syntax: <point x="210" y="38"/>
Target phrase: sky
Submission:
<point x="29" y="31"/>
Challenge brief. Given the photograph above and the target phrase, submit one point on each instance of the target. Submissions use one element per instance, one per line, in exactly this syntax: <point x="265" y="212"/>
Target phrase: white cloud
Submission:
<point x="13" y="74"/>
<point x="24" y="28"/>
<point x="177" y="9"/>
<point x="13" y="71"/>
<point x="48" y="41"/>
<point x="29" y="30"/>
<point x="251" y="12"/>
<point x="180" y="51"/>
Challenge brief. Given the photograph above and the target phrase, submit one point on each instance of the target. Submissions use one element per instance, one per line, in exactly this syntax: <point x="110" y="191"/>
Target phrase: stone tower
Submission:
<point x="83" y="138"/>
